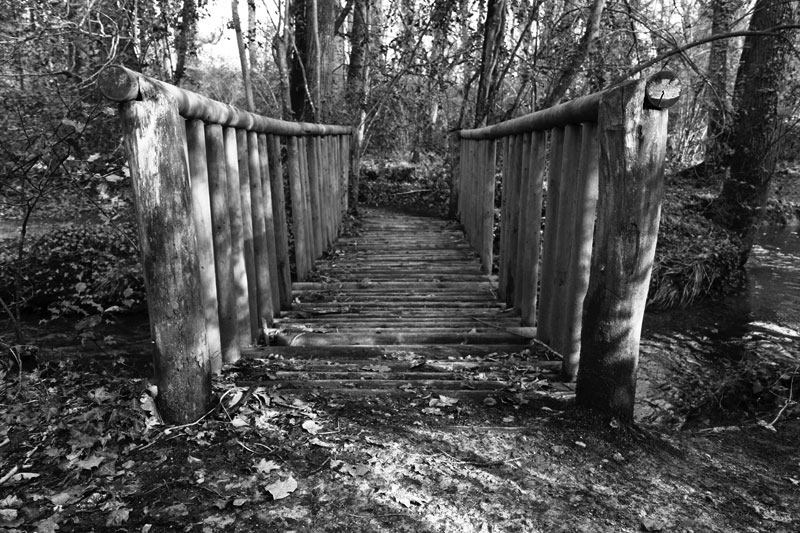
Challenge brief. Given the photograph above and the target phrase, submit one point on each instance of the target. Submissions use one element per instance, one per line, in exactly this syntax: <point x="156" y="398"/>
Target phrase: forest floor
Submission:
<point x="81" y="451"/>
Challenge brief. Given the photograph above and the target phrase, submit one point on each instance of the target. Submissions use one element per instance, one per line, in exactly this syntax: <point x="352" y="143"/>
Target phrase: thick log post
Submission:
<point x="505" y="184"/>
<point x="154" y="138"/>
<point x="264" y="311"/>
<point x="313" y="162"/>
<point x="201" y="209"/>
<point x="281" y="225"/>
<point x="632" y="150"/>
<point x="523" y="189"/>
<point x="223" y="258"/>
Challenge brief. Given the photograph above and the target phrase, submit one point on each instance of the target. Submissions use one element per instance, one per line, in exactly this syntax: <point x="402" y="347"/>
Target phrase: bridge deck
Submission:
<point x="403" y="304"/>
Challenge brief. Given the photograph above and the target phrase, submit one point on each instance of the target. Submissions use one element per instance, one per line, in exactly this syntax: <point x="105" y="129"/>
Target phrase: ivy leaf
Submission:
<point x="265" y="467"/>
<point x="312" y="427"/>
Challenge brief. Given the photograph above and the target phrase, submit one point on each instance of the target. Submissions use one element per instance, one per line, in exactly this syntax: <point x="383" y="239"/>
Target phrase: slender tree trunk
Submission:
<point x="568" y="74"/>
<point x="184" y="42"/>
<point x="252" y="43"/>
<point x="717" y="101"/>
<point x="493" y="33"/>
<point x="237" y="27"/>
<point x="755" y="131"/>
<point x="357" y="91"/>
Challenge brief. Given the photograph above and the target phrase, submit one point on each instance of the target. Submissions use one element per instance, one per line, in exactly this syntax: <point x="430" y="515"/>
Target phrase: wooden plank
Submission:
<point x="261" y="257"/>
<point x="155" y="139"/>
<point x="201" y="211"/>
<point x="223" y="256"/>
<point x="281" y="223"/>
<point x="269" y="224"/>
<point x="584" y="198"/>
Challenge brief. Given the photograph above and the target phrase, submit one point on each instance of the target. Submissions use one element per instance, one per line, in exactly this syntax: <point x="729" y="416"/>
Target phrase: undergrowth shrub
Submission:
<point x="420" y="188"/>
<point x="78" y="269"/>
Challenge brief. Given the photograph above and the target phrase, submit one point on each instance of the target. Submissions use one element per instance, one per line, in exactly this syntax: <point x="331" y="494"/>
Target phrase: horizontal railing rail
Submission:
<point x="214" y="225"/>
<point x="598" y="160"/>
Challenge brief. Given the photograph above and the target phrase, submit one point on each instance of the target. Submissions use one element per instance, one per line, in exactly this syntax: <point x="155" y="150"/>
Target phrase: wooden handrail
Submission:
<point x="208" y="186"/>
<point x="604" y="162"/>
<point x="662" y="91"/>
<point x="120" y="84"/>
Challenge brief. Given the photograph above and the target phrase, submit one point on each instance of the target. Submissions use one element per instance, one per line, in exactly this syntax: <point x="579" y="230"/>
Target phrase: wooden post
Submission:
<point x="269" y="223"/>
<point x="201" y="209"/>
<point x="260" y="250"/>
<point x="223" y="257"/>
<point x="240" y="281"/>
<point x="532" y="220"/>
<point x="303" y="157"/>
<point x="632" y="150"/>
<point x="504" y="217"/>
<point x="513" y="218"/>
<point x="281" y="225"/>
<point x="154" y="139"/>
<point x="299" y="213"/>
<point x="544" y="330"/>
<point x="584" y="202"/>
<point x="246" y="209"/>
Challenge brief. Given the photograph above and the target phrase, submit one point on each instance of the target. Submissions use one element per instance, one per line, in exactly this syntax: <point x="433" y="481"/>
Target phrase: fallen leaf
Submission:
<point x="238" y="502"/>
<point x="489" y="401"/>
<point x="443" y="401"/>
<point x="355" y="470"/>
<point x="92" y="462"/>
<point x="265" y="467"/>
<point x="118" y="516"/>
<point x="312" y="427"/>
<point x="432" y="411"/>
<point x="281" y="489"/>
<point x="11" y="502"/>
<point x="317" y="442"/>
<point x="49" y="525"/>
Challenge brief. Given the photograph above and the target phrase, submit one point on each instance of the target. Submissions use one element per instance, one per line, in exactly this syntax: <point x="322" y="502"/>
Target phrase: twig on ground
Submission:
<point x="9" y="474"/>
<point x="788" y="401"/>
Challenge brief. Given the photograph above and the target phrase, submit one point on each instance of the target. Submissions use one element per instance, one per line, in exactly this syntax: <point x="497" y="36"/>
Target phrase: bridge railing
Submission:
<point x="600" y="160"/>
<point x="209" y="198"/>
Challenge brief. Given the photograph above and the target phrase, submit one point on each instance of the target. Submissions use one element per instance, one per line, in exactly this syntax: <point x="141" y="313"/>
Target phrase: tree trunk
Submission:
<point x="755" y="132"/>
<point x="568" y="74"/>
<point x="280" y="53"/>
<point x="237" y="27"/>
<point x="493" y="34"/>
<point x="357" y="91"/>
<point x="184" y="42"/>
<point x="717" y="101"/>
<point x="302" y="63"/>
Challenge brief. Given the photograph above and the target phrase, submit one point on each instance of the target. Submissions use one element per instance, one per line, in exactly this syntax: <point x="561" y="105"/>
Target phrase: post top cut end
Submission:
<point x="119" y="84"/>
<point x="663" y="90"/>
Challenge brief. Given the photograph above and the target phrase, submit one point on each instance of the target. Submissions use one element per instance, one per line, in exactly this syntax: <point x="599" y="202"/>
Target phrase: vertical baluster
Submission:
<point x="269" y="223"/>
<point x="520" y="269"/>
<point x="513" y="218"/>
<point x="261" y="259"/>
<point x="299" y="213"/>
<point x="240" y="280"/>
<point x="281" y="224"/>
<point x="532" y="220"/>
<point x="201" y="211"/>
<point x="487" y="209"/>
<point x="504" y="218"/>
<point x="245" y="208"/>
<point x="547" y="295"/>
<point x="223" y="247"/>
<point x="585" y="202"/>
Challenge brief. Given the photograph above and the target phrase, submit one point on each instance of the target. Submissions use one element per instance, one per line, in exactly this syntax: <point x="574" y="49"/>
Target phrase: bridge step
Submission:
<point x="402" y="307"/>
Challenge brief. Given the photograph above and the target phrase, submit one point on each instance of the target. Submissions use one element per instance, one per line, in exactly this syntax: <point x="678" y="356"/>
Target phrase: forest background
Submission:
<point x="404" y="75"/>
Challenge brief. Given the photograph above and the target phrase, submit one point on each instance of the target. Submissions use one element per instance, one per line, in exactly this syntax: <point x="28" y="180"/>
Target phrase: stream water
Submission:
<point x="763" y="322"/>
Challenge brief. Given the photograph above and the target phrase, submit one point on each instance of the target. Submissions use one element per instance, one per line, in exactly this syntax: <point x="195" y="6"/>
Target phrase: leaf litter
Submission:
<point x="87" y="451"/>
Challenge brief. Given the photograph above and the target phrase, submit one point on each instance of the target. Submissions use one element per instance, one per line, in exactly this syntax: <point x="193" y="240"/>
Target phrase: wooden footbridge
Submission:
<point x="403" y="301"/>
